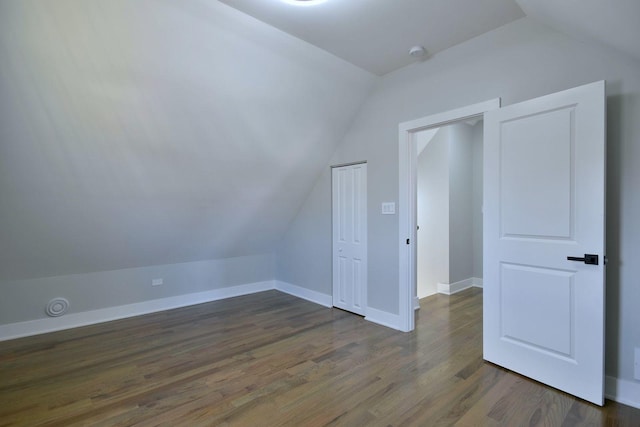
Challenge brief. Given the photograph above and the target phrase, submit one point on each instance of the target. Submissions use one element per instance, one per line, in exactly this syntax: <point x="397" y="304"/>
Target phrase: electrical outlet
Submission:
<point x="636" y="371"/>
<point x="157" y="282"/>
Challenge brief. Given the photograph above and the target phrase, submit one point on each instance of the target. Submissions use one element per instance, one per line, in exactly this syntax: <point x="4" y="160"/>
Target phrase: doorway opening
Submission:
<point x="449" y="208"/>
<point x="407" y="202"/>
<point x="544" y="200"/>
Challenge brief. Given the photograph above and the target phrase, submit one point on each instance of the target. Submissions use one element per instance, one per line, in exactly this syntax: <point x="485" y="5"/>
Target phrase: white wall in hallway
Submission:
<point x="433" y="214"/>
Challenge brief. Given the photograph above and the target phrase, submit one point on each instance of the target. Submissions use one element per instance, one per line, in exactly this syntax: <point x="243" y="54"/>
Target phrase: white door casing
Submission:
<point x="349" y="213"/>
<point x="544" y="200"/>
<point x="407" y="211"/>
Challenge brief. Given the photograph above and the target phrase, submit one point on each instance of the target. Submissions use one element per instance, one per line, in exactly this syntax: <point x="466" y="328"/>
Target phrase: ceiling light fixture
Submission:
<point x="304" y="2"/>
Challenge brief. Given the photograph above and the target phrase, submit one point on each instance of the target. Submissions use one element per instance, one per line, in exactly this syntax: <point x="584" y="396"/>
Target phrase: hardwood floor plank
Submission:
<point x="270" y="359"/>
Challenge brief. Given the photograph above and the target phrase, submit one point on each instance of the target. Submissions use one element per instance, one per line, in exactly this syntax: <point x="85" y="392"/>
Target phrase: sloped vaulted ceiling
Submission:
<point x="146" y="132"/>
<point x="377" y="34"/>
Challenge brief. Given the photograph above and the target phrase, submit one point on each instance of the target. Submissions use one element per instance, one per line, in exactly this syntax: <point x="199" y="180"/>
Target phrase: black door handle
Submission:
<point x="587" y="259"/>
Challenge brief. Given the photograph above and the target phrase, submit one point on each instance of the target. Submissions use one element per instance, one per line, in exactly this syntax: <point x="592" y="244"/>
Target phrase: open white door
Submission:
<point x="349" y="205"/>
<point x="544" y="201"/>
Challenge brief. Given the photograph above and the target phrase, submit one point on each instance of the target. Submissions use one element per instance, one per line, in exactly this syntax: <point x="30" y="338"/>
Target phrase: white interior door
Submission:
<point x="349" y="194"/>
<point x="544" y="201"/>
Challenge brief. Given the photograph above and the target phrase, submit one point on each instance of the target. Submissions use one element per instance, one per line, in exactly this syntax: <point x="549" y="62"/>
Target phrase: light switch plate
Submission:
<point x="388" y="208"/>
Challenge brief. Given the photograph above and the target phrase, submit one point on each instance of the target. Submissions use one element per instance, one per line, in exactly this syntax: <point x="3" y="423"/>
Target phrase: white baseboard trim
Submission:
<point x="372" y="315"/>
<point x="453" y="288"/>
<point x="622" y="391"/>
<point x="74" y="320"/>
<point x="304" y="293"/>
<point x="383" y="318"/>
<point x="416" y="303"/>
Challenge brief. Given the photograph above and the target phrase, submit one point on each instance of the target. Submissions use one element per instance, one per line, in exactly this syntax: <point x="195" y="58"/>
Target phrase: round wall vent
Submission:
<point x="57" y="307"/>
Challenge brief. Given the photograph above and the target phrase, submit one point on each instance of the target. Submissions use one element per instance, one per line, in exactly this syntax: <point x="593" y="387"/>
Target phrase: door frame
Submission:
<point x="407" y="197"/>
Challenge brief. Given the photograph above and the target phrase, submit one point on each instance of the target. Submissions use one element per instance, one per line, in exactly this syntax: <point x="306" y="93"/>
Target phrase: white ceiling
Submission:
<point x="376" y="34"/>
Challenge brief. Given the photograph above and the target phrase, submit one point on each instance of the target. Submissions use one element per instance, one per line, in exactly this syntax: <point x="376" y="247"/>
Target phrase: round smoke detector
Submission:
<point x="418" y="52"/>
<point x="57" y="307"/>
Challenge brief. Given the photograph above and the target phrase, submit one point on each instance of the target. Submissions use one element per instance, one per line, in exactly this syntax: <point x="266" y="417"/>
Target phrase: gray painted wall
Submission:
<point x="26" y="299"/>
<point x="138" y="138"/>
<point x="304" y="254"/>
<point x="138" y="133"/>
<point x="444" y="209"/>
<point x="517" y="62"/>
<point x="460" y="198"/>
<point x="433" y="214"/>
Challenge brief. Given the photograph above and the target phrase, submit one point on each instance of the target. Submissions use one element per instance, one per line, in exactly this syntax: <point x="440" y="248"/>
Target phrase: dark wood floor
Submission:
<point x="270" y="359"/>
